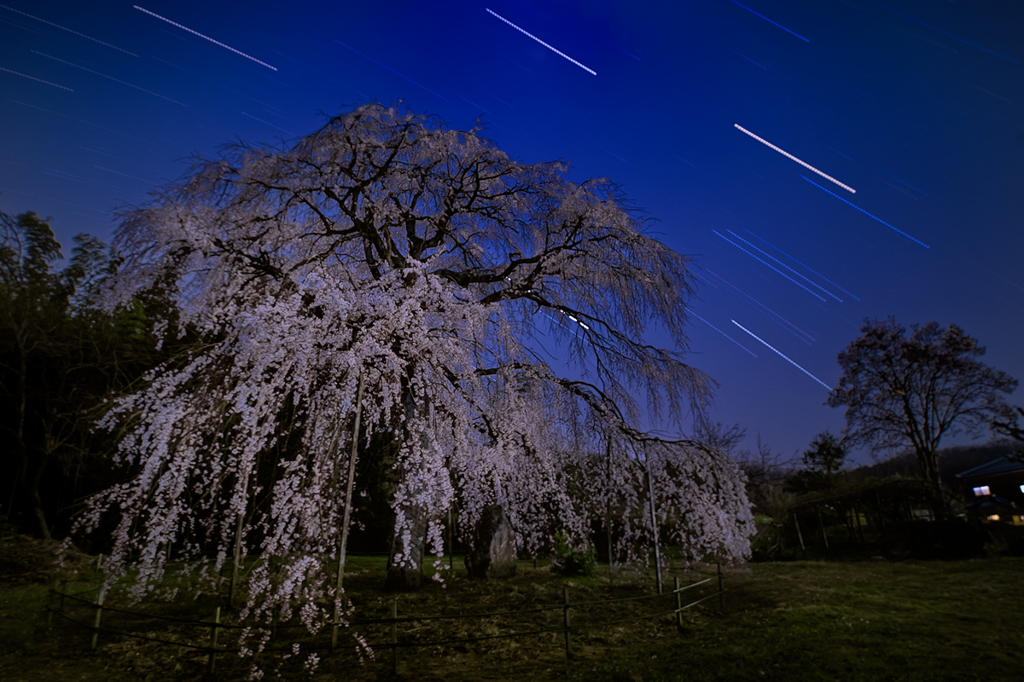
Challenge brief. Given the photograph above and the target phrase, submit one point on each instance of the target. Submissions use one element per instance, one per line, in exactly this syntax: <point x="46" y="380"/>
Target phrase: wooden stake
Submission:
<point x="451" y="544"/>
<point x="799" y="535"/>
<point x="654" y="524"/>
<point x="49" y="603"/>
<point x="565" y="623"/>
<point x="860" y="526"/>
<point x="238" y="544"/>
<point x="96" y="622"/>
<point x="394" y="637"/>
<point x="679" y="605"/>
<point x="213" y="640"/>
<point x="822" y="527"/>
<point x="721" y="587"/>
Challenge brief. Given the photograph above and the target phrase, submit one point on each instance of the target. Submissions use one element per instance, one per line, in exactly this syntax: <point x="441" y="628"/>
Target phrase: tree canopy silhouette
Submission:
<point x="915" y="388"/>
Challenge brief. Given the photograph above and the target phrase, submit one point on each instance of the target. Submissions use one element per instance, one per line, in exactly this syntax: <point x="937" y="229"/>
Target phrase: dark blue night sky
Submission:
<point x="917" y="105"/>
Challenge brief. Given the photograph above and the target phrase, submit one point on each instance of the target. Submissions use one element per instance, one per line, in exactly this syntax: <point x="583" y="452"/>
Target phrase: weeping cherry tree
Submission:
<point x="390" y="266"/>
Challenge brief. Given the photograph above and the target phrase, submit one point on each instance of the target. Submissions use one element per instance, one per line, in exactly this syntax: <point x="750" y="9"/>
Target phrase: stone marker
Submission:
<point x="494" y="548"/>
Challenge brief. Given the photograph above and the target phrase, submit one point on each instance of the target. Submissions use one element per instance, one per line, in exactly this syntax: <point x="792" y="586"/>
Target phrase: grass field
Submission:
<point x="847" y="621"/>
<point x="867" y="620"/>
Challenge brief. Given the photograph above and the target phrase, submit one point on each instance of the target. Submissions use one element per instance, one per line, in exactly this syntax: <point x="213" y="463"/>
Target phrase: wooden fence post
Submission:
<point x="96" y="623"/>
<point x="799" y="535"/>
<point x="860" y="527"/>
<point x="213" y="640"/>
<point x="394" y="636"/>
<point x="679" y="605"/>
<point x="451" y="544"/>
<point x="565" y="622"/>
<point x="721" y="587"/>
<point x="49" y="603"/>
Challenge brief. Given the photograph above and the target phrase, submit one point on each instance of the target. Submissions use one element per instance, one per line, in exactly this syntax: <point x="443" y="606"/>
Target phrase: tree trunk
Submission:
<point x="406" y="574"/>
<point x="927" y="461"/>
<point x="405" y="560"/>
<point x="37" y="502"/>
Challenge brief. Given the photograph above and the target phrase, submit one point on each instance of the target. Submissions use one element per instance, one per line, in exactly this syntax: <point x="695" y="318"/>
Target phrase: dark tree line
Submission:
<point x="61" y="357"/>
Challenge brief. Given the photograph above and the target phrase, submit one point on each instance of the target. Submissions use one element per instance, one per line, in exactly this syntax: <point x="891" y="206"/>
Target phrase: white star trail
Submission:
<point x="530" y="35"/>
<point x="793" y="158"/>
<point x="763" y="309"/>
<point x="116" y="80"/>
<point x="268" y="123"/>
<point x="197" y="33"/>
<point x="40" y="80"/>
<point x="769" y="347"/>
<point x="722" y="333"/>
<point x="80" y="35"/>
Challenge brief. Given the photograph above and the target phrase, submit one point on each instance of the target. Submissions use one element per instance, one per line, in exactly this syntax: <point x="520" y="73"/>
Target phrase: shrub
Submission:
<point x="569" y="558"/>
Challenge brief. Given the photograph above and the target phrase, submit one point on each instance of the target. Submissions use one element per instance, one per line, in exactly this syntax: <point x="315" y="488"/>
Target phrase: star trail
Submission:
<point x="907" y="112"/>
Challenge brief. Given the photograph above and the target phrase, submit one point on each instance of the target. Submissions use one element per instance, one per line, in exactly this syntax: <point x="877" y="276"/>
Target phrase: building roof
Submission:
<point x="1003" y="465"/>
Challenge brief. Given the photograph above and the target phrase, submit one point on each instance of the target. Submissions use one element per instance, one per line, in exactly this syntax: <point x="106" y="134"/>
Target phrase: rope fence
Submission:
<point x="215" y="626"/>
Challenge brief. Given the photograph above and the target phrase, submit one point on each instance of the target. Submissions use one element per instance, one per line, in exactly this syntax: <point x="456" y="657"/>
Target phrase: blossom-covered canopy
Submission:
<point x="428" y="264"/>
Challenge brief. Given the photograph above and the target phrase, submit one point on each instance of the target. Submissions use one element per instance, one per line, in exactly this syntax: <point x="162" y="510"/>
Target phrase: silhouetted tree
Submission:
<point x="1009" y="426"/>
<point x="822" y="462"/>
<point x="59" y="358"/>
<point x="717" y="435"/>
<point x="902" y="389"/>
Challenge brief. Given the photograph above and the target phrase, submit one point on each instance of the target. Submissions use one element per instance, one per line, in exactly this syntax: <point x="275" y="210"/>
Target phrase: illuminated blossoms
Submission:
<point x="431" y="264"/>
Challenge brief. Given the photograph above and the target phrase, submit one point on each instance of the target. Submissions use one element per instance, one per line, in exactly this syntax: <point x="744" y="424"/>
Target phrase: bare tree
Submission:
<point x="902" y="389"/>
<point x="718" y="436"/>
<point x="1010" y="426"/>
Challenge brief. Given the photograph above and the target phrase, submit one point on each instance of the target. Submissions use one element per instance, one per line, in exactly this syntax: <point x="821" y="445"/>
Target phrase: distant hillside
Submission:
<point x="952" y="461"/>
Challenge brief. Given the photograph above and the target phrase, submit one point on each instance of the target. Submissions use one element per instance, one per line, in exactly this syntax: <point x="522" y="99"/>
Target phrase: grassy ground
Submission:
<point x="847" y="621"/>
<point x="868" y="620"/>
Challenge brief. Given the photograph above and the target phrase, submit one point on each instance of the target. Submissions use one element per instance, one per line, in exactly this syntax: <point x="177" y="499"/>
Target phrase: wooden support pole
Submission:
<point x="346" y="515"/>
<point x="654" y="524"/>
<point x="213" y="641"/>
<point x="860" y="528"/>
<point x="96" y="622"/>
<point x="451" y="544"/>
<point x="821" y="526"/>
<point x="565" y="623"/>
<point x="394" y="636"/>
<point x="799" y="535"/>
<point x="237" y="553"/>
<point x="49" y="603"/>
<point x="679" y="605"/>
<point x="721" y="587"/>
